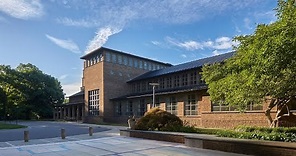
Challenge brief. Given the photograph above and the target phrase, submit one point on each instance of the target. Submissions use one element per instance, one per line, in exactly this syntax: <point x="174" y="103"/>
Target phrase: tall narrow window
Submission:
<point x="119" y="59"/>
<point x="177" y="81"/>
<point x="193" y="78"/>
<point x="125" y="61"/>
<point x="130" y="62"/>
<point x="118" y="108"/>
<point x="169" y="82"/>
<point x="114" y="59"/>
<point x="135" y="63"/>
<point x="145" y="65"/>
<point x="108" y="57"/>
<point x="129" y="108"/>
<point x="140" y="64"/>
<point x="191" y="105"/>
<point x="93" y="102"/>
<point x="157" y="102"/>
<point x="171" y="105"/>
<point x="184" y="80"/>
<point x="142" y="107"/>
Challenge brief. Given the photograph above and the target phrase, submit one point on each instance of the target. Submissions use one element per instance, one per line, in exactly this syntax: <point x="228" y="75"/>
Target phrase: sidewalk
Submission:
<point x="106" y="143"/>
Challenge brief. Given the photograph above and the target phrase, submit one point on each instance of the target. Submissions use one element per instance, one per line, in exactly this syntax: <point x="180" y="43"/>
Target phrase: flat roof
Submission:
<point x="101" y="49"/>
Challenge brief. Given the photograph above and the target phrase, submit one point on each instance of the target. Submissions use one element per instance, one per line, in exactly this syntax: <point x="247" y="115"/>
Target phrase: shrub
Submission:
<point x="157" y="119"/>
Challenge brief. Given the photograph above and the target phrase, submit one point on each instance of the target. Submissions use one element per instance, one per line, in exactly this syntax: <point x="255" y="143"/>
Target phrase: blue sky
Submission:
<point x="54" y="34"/>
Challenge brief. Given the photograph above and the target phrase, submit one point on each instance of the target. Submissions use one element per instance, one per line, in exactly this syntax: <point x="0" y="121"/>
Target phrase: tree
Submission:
<point x="42" y="91"/>
<point x="10" y="85"/>
<point x="29" y="91"/>
<point x="263" y="67"/>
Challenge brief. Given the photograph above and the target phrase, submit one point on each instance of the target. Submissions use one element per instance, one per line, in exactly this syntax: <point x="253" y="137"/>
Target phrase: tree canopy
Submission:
<point x="28" y="92"/>
<point x="263" y="66"/>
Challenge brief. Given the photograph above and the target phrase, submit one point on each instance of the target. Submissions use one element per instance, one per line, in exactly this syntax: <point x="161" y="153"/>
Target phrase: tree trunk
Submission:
<point x="281" y="104"/>
<point x="267" y="111"/>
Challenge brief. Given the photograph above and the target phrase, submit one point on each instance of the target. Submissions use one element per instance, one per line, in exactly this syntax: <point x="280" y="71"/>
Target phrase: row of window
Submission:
<point x="173" y="81"/>
<point x="132" y="62"/>
<point x="94" y="60"/>
<point x="171" y="106"/>
<point x="224" y="107"/>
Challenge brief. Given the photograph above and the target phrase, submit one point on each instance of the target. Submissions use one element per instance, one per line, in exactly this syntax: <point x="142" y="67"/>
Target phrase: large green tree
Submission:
<point x="30" y="92"/>
<point x="263" y="67"/>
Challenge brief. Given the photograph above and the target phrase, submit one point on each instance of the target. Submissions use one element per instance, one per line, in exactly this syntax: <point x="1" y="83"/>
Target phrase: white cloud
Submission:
<point x="184" y="56"/>
<point x="101" y="38"/>
<point x="221" y="43"/>
<point x="155" y="42"/>
<point x="72" y="88"/>
<point x="169" y="11"/>
<point x="62" y="77"/>
<point x="216" y="52"/>
<point x="268" y="17"/>
<point x="22" y="9"/>
<point x="78" y="23"/>
<point x="110" y="17"/>
<point x="247" y="23"/>
<point x="66" y="44"/>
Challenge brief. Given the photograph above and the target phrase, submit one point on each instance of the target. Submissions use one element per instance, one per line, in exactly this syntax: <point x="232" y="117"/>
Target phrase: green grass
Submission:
<point x="10" y="126"/>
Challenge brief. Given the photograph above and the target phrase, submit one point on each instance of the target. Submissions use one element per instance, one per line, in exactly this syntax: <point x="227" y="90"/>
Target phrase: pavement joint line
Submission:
<point x="51" y="143"/>
<point x="9" y="144"/>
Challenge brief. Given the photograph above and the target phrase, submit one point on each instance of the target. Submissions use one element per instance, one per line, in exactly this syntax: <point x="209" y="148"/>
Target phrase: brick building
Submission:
<point x="116" y="85"/>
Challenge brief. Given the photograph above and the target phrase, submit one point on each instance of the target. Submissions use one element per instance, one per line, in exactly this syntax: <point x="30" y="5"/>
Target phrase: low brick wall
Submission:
<point x="242" y="146"/>
<point x="154" y="135"/>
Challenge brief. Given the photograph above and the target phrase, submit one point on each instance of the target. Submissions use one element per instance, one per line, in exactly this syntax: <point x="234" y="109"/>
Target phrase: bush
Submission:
<point x="157" y="119"/>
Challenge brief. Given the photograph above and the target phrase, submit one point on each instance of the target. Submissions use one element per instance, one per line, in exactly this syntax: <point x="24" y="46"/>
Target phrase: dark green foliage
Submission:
<point x="263" y="65"/>
<point x="29" y="92"/>
<point x="160" y="120"/>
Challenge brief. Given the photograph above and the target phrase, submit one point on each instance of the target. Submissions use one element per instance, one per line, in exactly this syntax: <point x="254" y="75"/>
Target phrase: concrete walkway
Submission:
<point x="107" y="143"/>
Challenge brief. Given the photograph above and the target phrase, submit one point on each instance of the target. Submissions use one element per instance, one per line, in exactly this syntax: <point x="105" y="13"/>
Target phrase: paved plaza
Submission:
<point x="105" y="143"/>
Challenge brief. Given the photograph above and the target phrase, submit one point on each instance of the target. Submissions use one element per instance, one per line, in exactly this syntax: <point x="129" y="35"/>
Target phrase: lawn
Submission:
<point x="10" y="126"/>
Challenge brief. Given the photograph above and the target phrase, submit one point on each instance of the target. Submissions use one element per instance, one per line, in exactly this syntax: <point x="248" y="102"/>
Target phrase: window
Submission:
<point x="142" y="107"/>
<point x="129" y="108"/>
<point x="144" y="84"/>
<point x="169" y="82"/>
<point x="171" y="105"/>
<point x="145" y="65"/>
<point x="149" y="66"/>
<point x="184" y="80"/>
<point x="93" y="102"/>
<point x="101" y="57"/>
<point x="157" y="102"/>
<point x="130" y="62"/>
<point x="140" y="64"/>
<point x="226" y="108"/>
<point x="118" y="108"/>
<point x="119" y="59"/>
<point x="191" y="105"/>
<point x="221" y="107"/>
<point x="108" y="57"/>
<point x="193" y="78"/>
<point x="177" y="81"/>
<point x="153" y="66"/>
<point x="161" y="83"/>
<point x="114" y="58"/>
<point x="157" y="67"/>
<point x="136" y="63"/>
<point x="125" y="61"/>
<point x="138" y="87"/>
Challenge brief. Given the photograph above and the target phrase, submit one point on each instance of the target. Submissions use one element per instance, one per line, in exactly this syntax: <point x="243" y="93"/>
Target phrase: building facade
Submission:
<point x="116" y="85"/>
